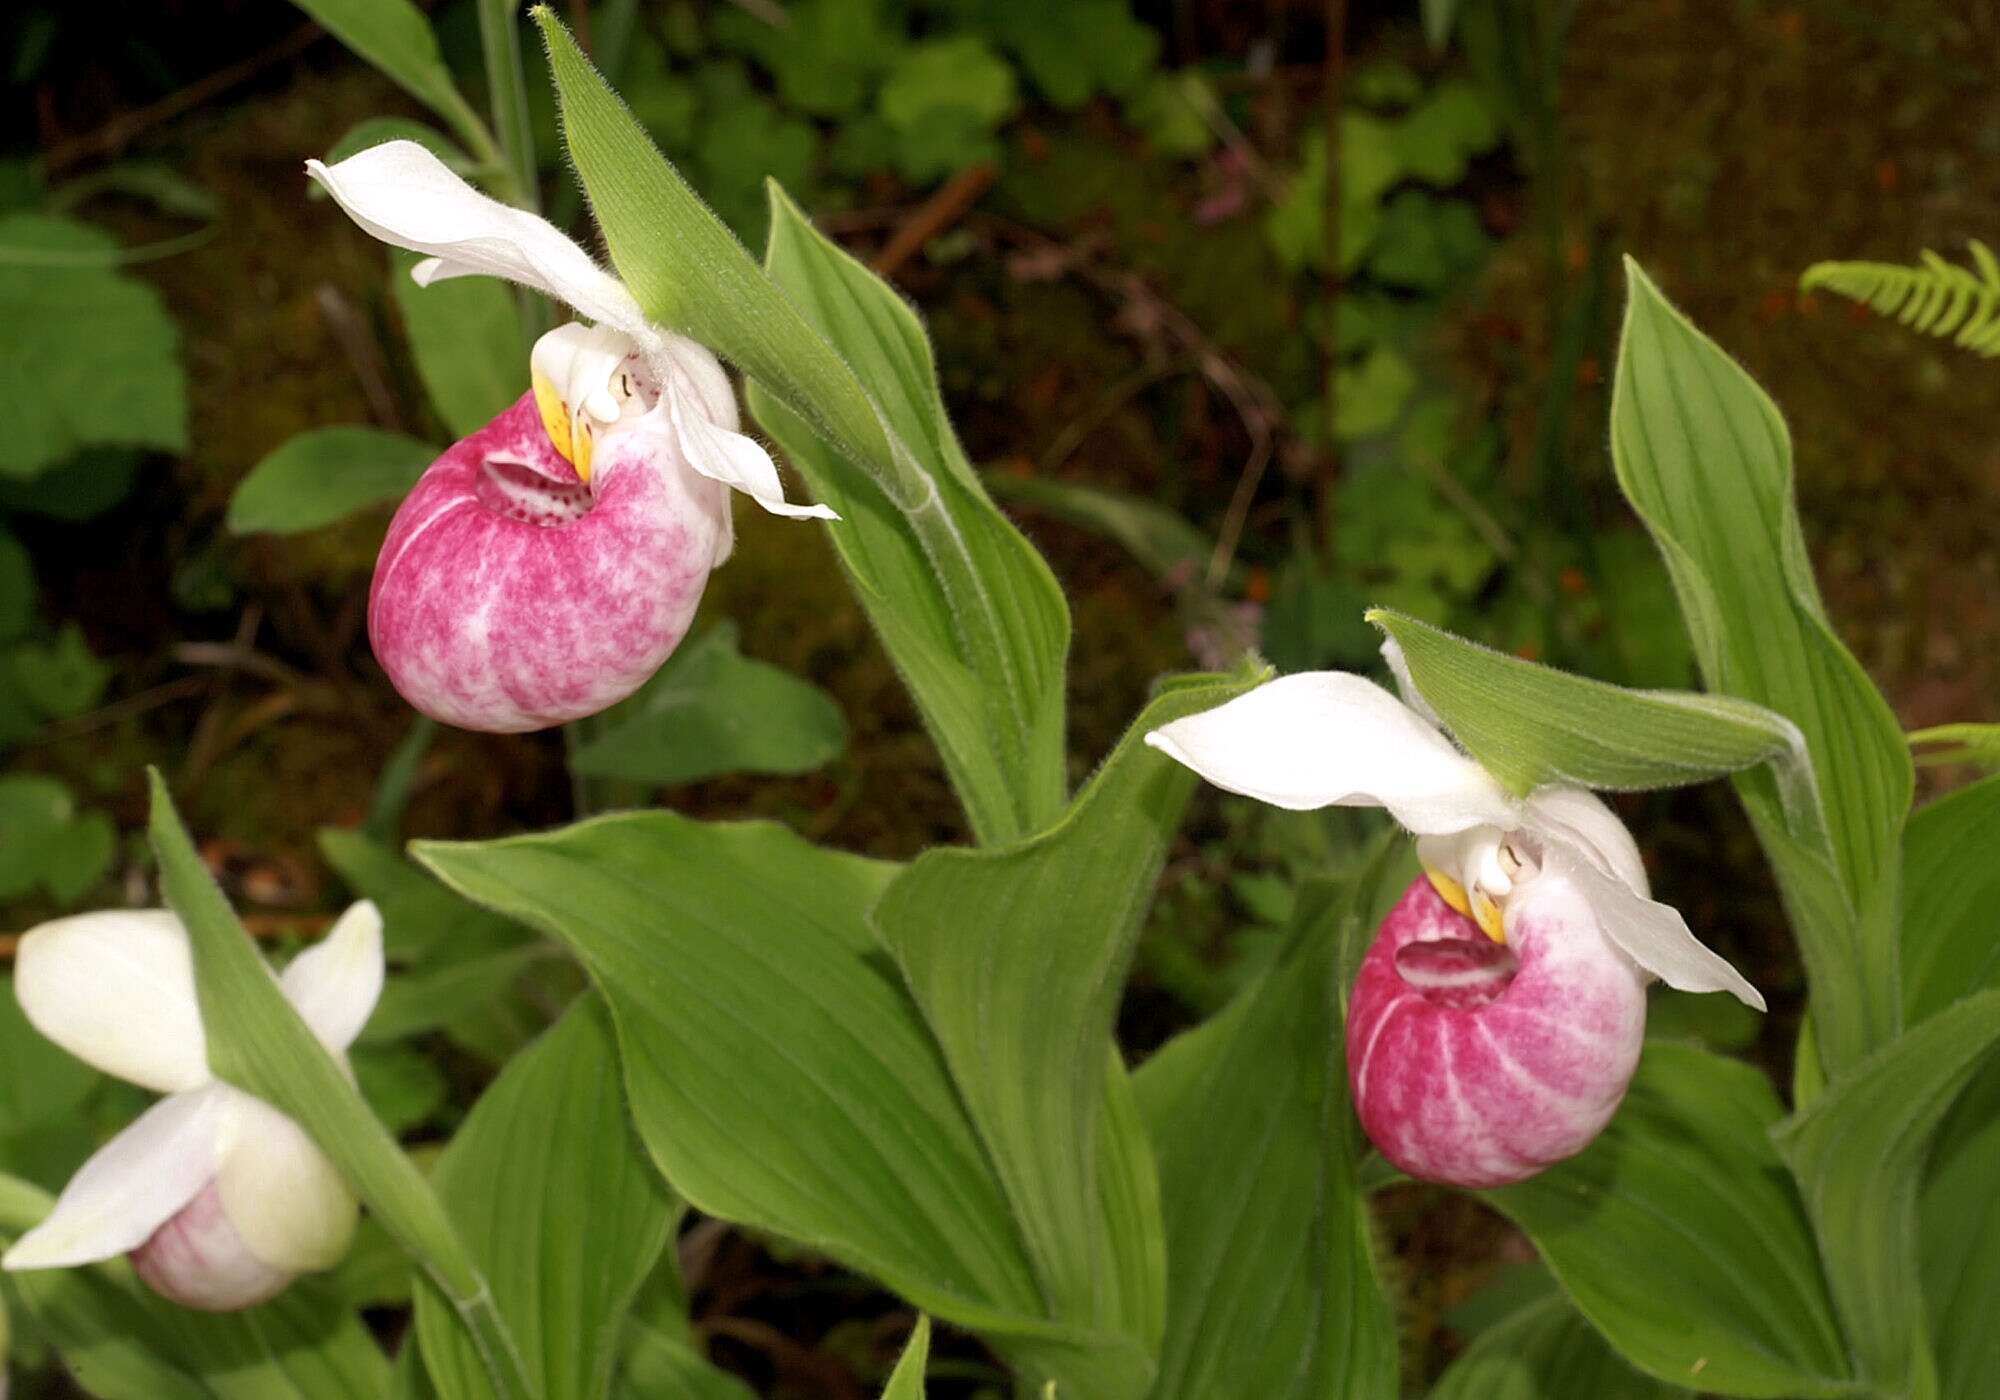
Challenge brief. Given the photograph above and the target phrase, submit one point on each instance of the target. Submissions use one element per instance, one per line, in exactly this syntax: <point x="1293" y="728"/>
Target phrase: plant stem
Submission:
<point x="507" y="86"/>
<point x="392" y="789"/>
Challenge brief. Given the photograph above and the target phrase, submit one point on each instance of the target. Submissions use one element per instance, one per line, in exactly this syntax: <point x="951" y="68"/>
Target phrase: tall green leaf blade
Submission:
<point x="1530" y="724"/>
<point x="1959" y="1244"/>
<point x="1859" y="1153"/>
<point x="878" y="334"/>
<point x="1704" y="458"/>
<point x="257" y="1042"/>
<point x="1951" y="899"/>
<point x="1272" y="1288"/>
<point x="906" y="1382"/>
<point x="1729" y="1297"/>
<point x="778" y="1072"/>
<point x="1545" y="1352"/>
<point x="564" y="1211"/>
<point x="1017" y="956"/>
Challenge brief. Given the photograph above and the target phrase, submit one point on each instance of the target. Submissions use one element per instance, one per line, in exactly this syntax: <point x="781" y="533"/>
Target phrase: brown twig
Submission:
<point x="363" y="353"/>
<point x="120" y="131"/>
<point x="936" y="214"/>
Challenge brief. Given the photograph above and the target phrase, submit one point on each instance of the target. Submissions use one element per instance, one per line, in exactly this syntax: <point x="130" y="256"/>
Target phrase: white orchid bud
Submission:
<point x="220" y="1199"/>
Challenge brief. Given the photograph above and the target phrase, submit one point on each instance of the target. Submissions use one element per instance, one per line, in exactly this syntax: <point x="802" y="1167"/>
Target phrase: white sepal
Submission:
<point x="133" y="1185"/>
<point x="335" y="984"/>
<point x="404" y="195"/>
<point x="1406" y="684"/>
<point x="733" y="459"/>
<point x="289" y="1203"/>
<point x="116" y="990"/>
<point x="1651" y="934"/>
<point x="1584" y="820"/>
<point x="1326" y="738"/>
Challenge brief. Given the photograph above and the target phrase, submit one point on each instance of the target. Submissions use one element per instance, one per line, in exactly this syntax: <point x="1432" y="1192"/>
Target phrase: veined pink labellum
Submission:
<point x="510" y="595"/>
<point x="1479" y="1064"/>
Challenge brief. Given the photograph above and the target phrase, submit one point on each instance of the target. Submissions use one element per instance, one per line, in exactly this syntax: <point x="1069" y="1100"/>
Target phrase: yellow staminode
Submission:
<point x="1479" y="908"/>
<point x="570" y="433"/>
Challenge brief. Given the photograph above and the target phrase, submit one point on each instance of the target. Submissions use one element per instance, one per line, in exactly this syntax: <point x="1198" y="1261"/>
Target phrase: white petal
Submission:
<point x="406" y="196"/>
<point x="1326" y="738"/>
<point x="734" y="460"/>
<point x="289" y="1203"/>
<point x="132" y="1186"/>
<point x="116" y="990"/>
<point x="1652" y="934"/>
<point x="1586" y="821"/>
<point x="335" y="983"/>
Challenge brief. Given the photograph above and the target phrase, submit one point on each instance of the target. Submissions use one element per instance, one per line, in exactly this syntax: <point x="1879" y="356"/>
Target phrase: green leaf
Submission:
<point x="1161" y="540"/>
<point x="80" y="858"/>
<point x="936" y="80"/>
<point x="824" y="56"/>
<point x="63" y="678"/>
<point x="1170" y="111"/>
<point x="1439" y="136"/>
<point x="1957" y="743"/>
<point x="1530" y="724"/>
<point x="1427" y="244"/>
<point x="423" y="922"/>
<point x="1951" y="899"/>
<point x="778" y="1072"/>
<point x="1679" y="1235"/>
<point x="906" y="1382"/>
<point x="257" y="1042"/>
<point x="17" y="587"/>
<point x="548" y="1145"/>
<point x="90" y="355"/>
<point x="981" y="651"/>
<point x="712" y="710"/>
<point x="43" y="1083"/>
<point x="1859" y="1153"/>
<point x="1959" y="1243"/>
<point x="122" y="1342"/>
<point x="324" y="475"/>
<point x="1545" y="1352"/>
<point x="1271" y="1292"/>
<point x="465" y="335"/>
<point x="967" y="609"/>
<point x="403" y="1086"/>
<point x="664" y="1359"/>
<point x="35" y="812"/>
<point x="1369" y="398"/>
<point x="1074" y="49"/>
<point x="1704" y="458"/>
<point x="396" y="39"/>
<point x="438" y="993"/>
<point x="1017" y="956"/>
<point x="81" y="488"/>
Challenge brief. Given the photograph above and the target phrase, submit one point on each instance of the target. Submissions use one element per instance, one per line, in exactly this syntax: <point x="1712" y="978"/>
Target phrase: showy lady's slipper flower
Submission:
<point x="545" y="566"/>
<point x="1498" y="1015"/>
<point x="220" y="1199"/>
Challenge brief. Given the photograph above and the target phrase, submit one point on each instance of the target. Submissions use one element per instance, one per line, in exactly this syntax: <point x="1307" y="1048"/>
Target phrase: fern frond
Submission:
<point x="1933" y="296"/>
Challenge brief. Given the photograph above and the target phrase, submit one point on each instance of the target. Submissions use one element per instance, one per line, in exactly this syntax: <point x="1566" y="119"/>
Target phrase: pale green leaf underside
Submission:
<point x="1529" y="724"/>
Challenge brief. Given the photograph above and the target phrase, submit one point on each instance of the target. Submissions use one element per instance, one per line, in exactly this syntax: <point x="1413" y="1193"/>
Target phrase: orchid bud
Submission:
<point x="1477" y="1059"/>
<point x="220" y="1199"/>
